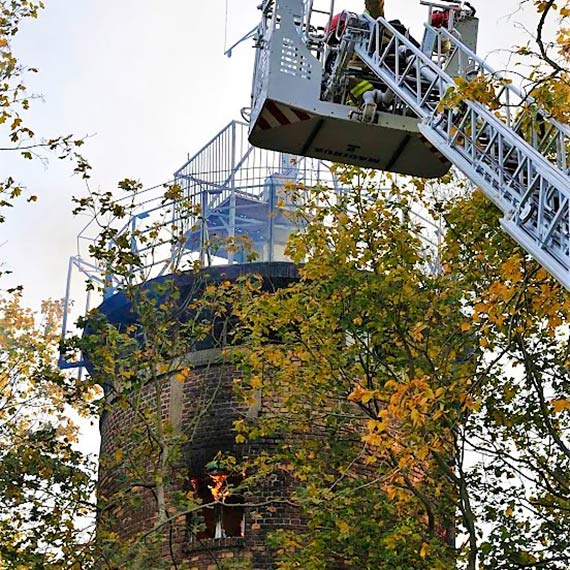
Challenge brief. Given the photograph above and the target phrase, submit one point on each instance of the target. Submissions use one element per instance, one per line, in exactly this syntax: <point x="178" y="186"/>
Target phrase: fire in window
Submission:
<point x="223" y="514"/>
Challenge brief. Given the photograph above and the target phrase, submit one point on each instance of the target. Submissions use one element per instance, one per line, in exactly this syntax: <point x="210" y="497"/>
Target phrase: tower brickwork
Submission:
<point x="201" y="408"/>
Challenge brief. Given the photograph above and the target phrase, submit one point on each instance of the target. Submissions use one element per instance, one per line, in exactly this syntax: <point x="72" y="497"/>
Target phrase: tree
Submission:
<point x="455" y="381"/>
<point x="149" y="499"/>
<point x="45" y="480"/>
<point x="396" y="366"/>
<point x="376" y="342"/>
<point x="424" y="392"/>
<point x="15" y="101"/>
<point x="546" y="57"/>
<point x="400" y="418"/>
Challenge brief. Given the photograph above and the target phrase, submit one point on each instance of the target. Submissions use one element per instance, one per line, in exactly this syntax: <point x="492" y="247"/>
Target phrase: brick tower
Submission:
<point x="232" y="210"/>
<point x="233" y="532"/>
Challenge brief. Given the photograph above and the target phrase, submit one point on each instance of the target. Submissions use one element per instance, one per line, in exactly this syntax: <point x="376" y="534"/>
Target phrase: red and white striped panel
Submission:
<point x="280" y="115"/>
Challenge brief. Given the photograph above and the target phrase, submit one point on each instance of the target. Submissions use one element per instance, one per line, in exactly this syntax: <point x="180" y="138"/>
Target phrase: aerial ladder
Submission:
<point x="513" y="150"/>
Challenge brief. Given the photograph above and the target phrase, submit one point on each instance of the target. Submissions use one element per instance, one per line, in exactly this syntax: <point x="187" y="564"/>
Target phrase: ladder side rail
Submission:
<point x="499" y="134"/>
<point x="376" y="57"/>
<point x="511" y="96"/>
<point x="554" y="140"/>
<point x="481" y="163"/>
<point x="429" y="111"/>
<point x="423" y="110"/>
<point x="528" y="200"/>
<point x="482" y="64"/>
<point x="551" y="253"/>
<point x="508" y="187"/>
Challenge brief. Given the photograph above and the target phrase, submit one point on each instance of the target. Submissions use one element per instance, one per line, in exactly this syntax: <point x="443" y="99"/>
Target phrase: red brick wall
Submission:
<point x="181" y="403"/>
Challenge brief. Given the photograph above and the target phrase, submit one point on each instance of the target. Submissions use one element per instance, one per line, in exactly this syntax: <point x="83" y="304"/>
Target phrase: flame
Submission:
<point x="219" y="489"/>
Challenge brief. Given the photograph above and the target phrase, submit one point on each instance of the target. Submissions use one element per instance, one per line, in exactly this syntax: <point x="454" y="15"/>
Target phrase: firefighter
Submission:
<point x="363" y="91"/>
<point x="374" y="8"/>
<point x="338" y="23"/>
<point x="363" y="94"/>
<point x="360" y="92"/>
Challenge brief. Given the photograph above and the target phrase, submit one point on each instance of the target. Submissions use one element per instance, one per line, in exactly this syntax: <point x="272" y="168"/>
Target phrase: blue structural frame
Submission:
<point x="231" y="192"/>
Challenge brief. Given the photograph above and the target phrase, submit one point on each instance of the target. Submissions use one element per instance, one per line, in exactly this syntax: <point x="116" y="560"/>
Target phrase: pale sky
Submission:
<point x="148" y="81"/>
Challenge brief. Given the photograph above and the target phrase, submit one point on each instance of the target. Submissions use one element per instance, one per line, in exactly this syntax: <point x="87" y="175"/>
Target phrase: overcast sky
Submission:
<point x="148" y="82"/>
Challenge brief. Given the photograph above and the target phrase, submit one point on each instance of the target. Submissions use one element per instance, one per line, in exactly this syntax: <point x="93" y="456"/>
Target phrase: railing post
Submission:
<point x="233" y="200"/>
<point x="66" y="299"/>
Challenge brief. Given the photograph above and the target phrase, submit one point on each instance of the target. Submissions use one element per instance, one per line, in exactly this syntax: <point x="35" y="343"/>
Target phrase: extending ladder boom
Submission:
<point x="519" y="160"/>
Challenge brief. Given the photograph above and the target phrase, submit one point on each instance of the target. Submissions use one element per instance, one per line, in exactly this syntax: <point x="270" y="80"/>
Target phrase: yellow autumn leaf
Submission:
<point x="356" y="394"/>
<point x="343" y="527"/>
<point x="424" y="550"/>
<point x="415" y="415"/>
<point x="162" y="368"/>
<point x="440" y="392"/>
<point x="376" y="426"/>
<point x="368" y="395"/>
<point x="256" y="382"/>
<point x="416" y="332"/>
<point x="560" y="405"/>
<point x="373" y="439"/>
<point x="183" y="375"/>
<point x="422" y="452"/>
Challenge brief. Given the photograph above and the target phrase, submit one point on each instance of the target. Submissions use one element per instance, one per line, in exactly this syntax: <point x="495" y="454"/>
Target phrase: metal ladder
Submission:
<point x="519" y="160"/>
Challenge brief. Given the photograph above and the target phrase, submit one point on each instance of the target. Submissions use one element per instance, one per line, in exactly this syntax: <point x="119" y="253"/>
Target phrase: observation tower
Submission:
<point x="223" y="216"/>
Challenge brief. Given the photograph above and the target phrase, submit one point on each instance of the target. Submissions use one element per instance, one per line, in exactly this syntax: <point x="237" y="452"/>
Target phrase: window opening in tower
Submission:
<point x="223" y="515"/>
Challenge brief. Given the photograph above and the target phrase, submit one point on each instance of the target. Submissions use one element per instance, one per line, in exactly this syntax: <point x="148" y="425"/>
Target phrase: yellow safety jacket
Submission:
<point x="360" y="89"/>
